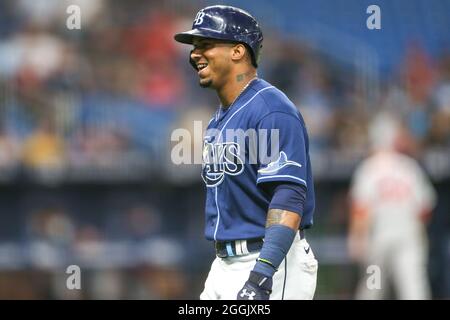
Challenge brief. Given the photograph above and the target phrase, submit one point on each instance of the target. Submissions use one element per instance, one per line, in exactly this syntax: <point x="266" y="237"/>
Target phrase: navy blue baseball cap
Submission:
<point x="226" y="23"/>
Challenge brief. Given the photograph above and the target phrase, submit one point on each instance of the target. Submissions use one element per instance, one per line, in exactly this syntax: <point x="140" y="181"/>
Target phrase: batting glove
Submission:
<point x="257" y="287"/>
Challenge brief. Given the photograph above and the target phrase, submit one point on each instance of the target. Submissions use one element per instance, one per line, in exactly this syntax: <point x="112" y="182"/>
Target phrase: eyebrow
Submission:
<point x="203" y="41"/>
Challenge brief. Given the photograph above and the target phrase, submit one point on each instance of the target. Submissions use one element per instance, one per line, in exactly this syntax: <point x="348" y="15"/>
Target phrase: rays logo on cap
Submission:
<point x="199" y="18"/>
<point x="220" y="159"/>
<point x="277" y="165"/>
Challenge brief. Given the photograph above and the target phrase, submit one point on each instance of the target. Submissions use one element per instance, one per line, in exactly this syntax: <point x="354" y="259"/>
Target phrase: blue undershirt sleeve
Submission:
<point x="289" y="196"/>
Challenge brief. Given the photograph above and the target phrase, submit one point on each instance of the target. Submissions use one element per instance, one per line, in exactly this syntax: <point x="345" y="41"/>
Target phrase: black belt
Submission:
<point x="233" y="248"/>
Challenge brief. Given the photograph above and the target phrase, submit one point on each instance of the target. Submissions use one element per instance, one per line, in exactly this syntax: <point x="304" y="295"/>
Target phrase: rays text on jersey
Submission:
<point x="220" y="159"/>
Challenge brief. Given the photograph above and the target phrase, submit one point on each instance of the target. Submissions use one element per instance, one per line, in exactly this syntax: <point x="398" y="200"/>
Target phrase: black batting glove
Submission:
<point x="257" y="287"/>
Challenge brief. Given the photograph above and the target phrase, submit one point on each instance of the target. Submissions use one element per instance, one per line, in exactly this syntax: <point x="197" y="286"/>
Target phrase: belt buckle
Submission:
<point x="221" y="255"/>
<point x="221" y="252"/>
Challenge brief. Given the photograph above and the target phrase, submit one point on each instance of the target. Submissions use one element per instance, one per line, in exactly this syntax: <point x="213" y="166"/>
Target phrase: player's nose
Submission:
<point x="196" y="55"/>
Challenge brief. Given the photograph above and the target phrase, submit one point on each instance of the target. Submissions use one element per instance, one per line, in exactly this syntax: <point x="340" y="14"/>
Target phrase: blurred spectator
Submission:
<point x="152" y="46"/>
<point x="288" y="59"/>
<point x="100" y="147"/>
<point x="189" y="147"/>
<point x="314" y="101"/>
<point x="51" y="224"/>
<point x="350" y="127"/>
<point x="138" y="222"/>
<point x="107" y="284"/>
<point x="166" y="283"/>
<point x="412" y="100"/>
<point x="440" y="128"/>
<point x="41" y="54"/>
<point x="156" y="283"/>
<point x="44" y="149"/>
<point x="391" y="200"/>
<point x="46" y="12"/>
<point x="88" y="244"/>
<point x="9" y="149"/>
<point x="50" y="233"/>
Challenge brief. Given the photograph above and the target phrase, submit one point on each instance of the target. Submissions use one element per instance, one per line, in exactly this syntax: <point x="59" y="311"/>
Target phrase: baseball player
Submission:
<point x="260" y="192"/>
<point x="391" y="198"/>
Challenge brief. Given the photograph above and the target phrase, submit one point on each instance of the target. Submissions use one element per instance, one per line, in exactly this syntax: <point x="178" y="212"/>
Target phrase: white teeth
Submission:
<point x="201" y="66"/>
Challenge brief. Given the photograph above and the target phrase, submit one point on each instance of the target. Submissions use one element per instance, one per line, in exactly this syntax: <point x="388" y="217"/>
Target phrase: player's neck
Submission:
<point x="234" y="87"/>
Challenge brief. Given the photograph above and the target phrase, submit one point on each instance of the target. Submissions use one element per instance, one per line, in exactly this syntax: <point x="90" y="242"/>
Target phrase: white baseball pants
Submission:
<point x="295" y="279"/>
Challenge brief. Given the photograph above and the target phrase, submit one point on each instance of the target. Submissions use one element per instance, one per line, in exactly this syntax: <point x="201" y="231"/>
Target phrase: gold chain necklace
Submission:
<point x="243" y="89"/>
<point x="219" y="112"/>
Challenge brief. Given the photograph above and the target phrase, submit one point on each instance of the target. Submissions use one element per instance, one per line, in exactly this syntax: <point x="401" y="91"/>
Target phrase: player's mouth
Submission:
<point x="201" y="67"/>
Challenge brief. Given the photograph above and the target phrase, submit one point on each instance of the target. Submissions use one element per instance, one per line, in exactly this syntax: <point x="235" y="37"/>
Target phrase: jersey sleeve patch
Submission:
<point x="288" y="161"/>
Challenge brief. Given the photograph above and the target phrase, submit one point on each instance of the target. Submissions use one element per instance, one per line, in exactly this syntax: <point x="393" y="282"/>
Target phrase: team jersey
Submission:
<point x="261" y="138"/>
<point x="394" y="191"/>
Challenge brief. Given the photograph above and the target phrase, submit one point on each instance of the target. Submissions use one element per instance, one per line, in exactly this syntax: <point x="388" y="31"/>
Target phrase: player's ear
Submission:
<point x="238" y="52"/>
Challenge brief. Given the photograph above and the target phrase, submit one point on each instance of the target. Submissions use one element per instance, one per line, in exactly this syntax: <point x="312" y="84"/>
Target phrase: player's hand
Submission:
<point x="257" y="287"/>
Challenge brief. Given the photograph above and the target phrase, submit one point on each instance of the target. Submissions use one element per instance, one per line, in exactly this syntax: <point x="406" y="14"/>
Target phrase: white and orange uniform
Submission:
<point x="393" y="192"/>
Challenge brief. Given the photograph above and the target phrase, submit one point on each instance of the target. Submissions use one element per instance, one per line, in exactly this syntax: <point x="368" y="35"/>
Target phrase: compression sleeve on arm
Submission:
<point x="278" y="238"/>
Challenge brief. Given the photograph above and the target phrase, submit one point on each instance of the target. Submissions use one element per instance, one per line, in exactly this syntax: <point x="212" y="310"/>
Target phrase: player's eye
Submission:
<point x="203" y="45"/>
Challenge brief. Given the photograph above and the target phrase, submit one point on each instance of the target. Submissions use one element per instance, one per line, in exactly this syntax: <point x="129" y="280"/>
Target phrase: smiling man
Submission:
<point x="256" y="211"/>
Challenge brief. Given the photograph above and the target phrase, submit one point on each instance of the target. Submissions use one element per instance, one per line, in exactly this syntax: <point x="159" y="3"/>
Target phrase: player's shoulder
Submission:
<point x="409" y="164"/>
<point x="269" y="99"/>
<point x="370" y="165"/>
<point x="397" y="159"/>
<point x="390" y="161"/>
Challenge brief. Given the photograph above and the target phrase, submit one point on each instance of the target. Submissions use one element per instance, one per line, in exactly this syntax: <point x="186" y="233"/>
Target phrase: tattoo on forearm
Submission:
<point x="284" y="217"/>
<point x="274" y="217"/>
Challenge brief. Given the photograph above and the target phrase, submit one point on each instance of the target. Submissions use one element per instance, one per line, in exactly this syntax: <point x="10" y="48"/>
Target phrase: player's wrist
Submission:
<point x="261" y="281"/>
<point x="265" y="267"/>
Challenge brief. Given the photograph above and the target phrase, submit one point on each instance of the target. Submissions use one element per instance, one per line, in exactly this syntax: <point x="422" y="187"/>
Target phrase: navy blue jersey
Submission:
<point x="261" y="138"/>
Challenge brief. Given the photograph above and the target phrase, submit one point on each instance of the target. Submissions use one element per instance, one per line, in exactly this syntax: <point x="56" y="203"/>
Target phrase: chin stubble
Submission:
<point x="205" y="84"/>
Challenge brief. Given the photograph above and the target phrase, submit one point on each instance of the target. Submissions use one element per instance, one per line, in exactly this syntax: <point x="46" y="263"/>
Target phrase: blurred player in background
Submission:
<point x="391" y="200"/>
